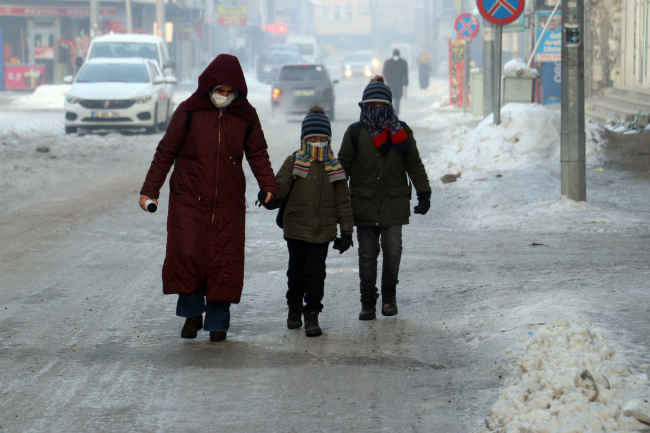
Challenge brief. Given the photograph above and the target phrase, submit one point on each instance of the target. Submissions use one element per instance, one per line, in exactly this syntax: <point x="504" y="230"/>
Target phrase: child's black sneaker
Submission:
<point x="388" y="305"/>
<point x="368" y="311"/>
<point x="312" y="329"/>
<point x="294" y="320"/>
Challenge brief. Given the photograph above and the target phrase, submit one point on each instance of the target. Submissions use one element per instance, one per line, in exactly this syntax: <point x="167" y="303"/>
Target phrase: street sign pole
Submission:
<point x="488" y="68"/>
<point x="572" y="135"/>
<point x="497" y="75"/>
<point x="466" y="74"/>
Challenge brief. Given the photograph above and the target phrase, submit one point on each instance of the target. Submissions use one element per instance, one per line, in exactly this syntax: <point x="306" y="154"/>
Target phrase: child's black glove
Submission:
<point x="424" y="203"/>
<point x="274" y="203"/>
<point x="343" y="243"/>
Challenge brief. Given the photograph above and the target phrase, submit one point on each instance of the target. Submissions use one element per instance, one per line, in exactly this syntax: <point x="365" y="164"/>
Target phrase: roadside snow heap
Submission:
<point x="569" y="384"/>
<point x="46" y="97"/>
<point x="528" y="134"/>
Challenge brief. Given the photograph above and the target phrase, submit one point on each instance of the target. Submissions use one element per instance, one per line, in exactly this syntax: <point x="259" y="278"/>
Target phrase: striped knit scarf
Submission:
<point x="384" y="128"/>
<point x="308" y="154"/>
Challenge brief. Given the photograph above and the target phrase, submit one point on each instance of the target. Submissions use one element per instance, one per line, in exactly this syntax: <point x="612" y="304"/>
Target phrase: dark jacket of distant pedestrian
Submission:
<point x="207" y="206"/>
<point x="396" y="74"/>
<point x="379" y="154"/>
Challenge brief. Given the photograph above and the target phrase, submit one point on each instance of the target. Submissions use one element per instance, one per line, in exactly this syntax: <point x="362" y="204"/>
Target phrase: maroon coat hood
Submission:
<point x="224" y="70"/>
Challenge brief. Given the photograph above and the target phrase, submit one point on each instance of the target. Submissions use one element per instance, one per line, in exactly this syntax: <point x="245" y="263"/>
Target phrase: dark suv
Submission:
<point x="298" y="87"/>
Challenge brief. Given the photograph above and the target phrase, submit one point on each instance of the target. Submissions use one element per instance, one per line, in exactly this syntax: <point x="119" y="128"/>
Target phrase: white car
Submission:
<point x="119" y="94"/>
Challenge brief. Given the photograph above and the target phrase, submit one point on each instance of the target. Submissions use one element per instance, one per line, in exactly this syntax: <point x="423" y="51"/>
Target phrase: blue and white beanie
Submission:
<point x="316" y="123"/>
<point x="377" y="91"/>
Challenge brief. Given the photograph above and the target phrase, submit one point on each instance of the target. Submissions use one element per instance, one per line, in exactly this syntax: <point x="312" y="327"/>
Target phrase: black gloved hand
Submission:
<point x="274" y="203"/>
<point x="424" y="203"/>
<point x="343" y="243"/>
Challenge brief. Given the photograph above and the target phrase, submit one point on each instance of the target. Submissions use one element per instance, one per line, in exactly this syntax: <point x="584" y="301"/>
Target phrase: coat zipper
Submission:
<point x="216" y="193"/>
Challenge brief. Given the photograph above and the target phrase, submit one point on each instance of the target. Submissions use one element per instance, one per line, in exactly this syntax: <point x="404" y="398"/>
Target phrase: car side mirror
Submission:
<point x="159" y="80"/>
<point x="171" y="64"/>
<point x="170" y="80"/>
<point x="68" y="79"/>
<point x="335" y="82"/>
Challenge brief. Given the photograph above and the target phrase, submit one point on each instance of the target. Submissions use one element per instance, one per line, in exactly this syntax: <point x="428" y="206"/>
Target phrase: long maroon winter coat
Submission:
<point x="207" y="210"/>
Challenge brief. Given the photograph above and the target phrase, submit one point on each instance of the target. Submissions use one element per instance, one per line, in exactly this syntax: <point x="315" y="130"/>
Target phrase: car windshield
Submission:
<point x="281" y="58"/>
<point x="123" y="50"/>
<point x="358" y="58"/>
<point x="311" y="73"/>
<point x="113" y="72"/>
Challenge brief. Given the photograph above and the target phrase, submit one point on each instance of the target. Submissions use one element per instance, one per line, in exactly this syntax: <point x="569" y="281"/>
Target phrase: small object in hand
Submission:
<point x="150" y="206"/>
<point x="449" y="178"/>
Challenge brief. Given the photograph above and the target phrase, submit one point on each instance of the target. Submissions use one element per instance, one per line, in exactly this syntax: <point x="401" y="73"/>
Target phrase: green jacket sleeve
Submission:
<point x="414" y="166"/>
<point x="343" y="209"/>
<point x="285" y="177"/>
<point x="346" y="153"/>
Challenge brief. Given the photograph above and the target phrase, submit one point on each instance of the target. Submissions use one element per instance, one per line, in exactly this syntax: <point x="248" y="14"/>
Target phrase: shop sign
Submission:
<point x="53" y="12"/>
<point x="44" y="53"/>
<point x="21" y="77"/>
<point x="516" y="26"/>
<point x="550" y="47"/>
<point x="232" y="13"/>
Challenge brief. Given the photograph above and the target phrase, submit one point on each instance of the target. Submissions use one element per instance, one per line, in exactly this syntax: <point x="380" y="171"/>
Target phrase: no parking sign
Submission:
<point x="500" y="12"/>
<point x="466" y="26"/>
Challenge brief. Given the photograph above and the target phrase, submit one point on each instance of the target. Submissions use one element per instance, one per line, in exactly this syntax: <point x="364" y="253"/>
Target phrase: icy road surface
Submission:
<point x="89" y="343"/>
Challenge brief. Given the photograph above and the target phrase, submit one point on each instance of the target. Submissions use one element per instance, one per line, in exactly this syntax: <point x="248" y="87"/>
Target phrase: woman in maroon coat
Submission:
<point x="209" y="135"/>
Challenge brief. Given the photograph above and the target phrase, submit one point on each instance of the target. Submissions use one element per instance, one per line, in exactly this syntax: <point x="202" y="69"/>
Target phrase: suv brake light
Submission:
<point x="276" y="93"/>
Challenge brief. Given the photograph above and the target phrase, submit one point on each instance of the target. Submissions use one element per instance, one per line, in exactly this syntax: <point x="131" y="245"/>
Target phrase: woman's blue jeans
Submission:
<point x="217" y="313"/>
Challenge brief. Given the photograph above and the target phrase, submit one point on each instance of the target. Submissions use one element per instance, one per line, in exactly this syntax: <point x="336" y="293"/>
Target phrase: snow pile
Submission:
<point x="569" y="383"/>
<point x="528" y="134"/>
<point x="519" y="67"/>
<point x="46" y="97"/>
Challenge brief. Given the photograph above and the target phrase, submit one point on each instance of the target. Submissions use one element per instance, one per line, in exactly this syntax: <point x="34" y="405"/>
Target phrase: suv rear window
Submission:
<point x="308" y="74"/>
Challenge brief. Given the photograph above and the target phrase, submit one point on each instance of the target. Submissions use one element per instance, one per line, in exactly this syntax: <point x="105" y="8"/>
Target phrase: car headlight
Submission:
<point x="72" y="99"/>
<point x="375" y="62"/>
<point x="348" y="67"/>
<point x="143" y="99"/>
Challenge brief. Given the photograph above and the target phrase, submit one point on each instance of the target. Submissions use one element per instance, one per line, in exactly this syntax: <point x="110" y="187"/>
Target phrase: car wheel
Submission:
<point x="70" y="129"/>
<point x="153" y="129"/>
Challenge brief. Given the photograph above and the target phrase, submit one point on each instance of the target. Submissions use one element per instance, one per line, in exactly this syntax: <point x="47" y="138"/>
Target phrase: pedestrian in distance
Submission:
<point x="396" y="73"/>
<point x="315" y="191"/>
<point x="379" y="155"/>
<point x="206" y="141"/>
<point x="424" y="68"/>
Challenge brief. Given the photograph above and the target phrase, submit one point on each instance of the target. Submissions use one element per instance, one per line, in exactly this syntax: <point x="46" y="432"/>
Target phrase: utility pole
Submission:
<point x="572" y="136"/>
<point x="496" y="98"/>
<point x="129" y="18"/>
<point x="94" y="18"/>
<point x="488" y="68"/>
<point x="160" y="18"/>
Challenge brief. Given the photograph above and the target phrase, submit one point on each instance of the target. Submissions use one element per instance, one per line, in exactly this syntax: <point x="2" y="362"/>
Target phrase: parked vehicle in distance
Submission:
<point x="298" y="87"/>
<point x="128" y="45"/>
<point x="360" y="64"/>
<point x="269" y="63"/>
<point x="119" y="94"/>
<point x="307" y="47"/>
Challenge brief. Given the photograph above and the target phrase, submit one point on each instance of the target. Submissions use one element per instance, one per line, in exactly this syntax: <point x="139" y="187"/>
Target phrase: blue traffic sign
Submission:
<point x="500" y="12"/>
<point x="466" y="26"/>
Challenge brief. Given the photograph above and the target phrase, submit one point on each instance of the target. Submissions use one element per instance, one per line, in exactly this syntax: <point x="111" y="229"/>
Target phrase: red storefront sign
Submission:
<point x="53" y="12"/>
<point x="21" y="77"/>
<point x="44" y="53"/>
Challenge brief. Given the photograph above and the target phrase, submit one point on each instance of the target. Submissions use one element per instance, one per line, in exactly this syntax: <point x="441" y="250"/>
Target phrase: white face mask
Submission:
<point x="322" y="144"/>
<point x="221" y="101"/>
<point x="396" y="58"/>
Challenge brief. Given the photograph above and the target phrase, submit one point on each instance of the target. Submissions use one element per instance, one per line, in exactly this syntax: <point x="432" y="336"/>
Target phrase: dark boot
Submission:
<point x="294" y="320"/>
<point x="217" y="335"/>
<point x="368" y="310"/>
<point x="192" y="326"/>
<point x="312" y="329"/>
<point x="388" y="305"/>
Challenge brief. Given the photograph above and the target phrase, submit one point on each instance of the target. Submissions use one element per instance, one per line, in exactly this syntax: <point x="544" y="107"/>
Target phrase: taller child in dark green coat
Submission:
<point x="317" y="198"/>
<point x="379" y="154"/>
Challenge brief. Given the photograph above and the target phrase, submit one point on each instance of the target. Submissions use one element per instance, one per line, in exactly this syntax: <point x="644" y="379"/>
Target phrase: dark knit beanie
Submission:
<point x="316" y="123"/>
<point x="377" y="91"/>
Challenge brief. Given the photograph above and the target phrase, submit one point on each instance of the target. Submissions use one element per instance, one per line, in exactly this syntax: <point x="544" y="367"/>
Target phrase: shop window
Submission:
<point x="348" y="12"/>
<point x="337" y="13"/>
